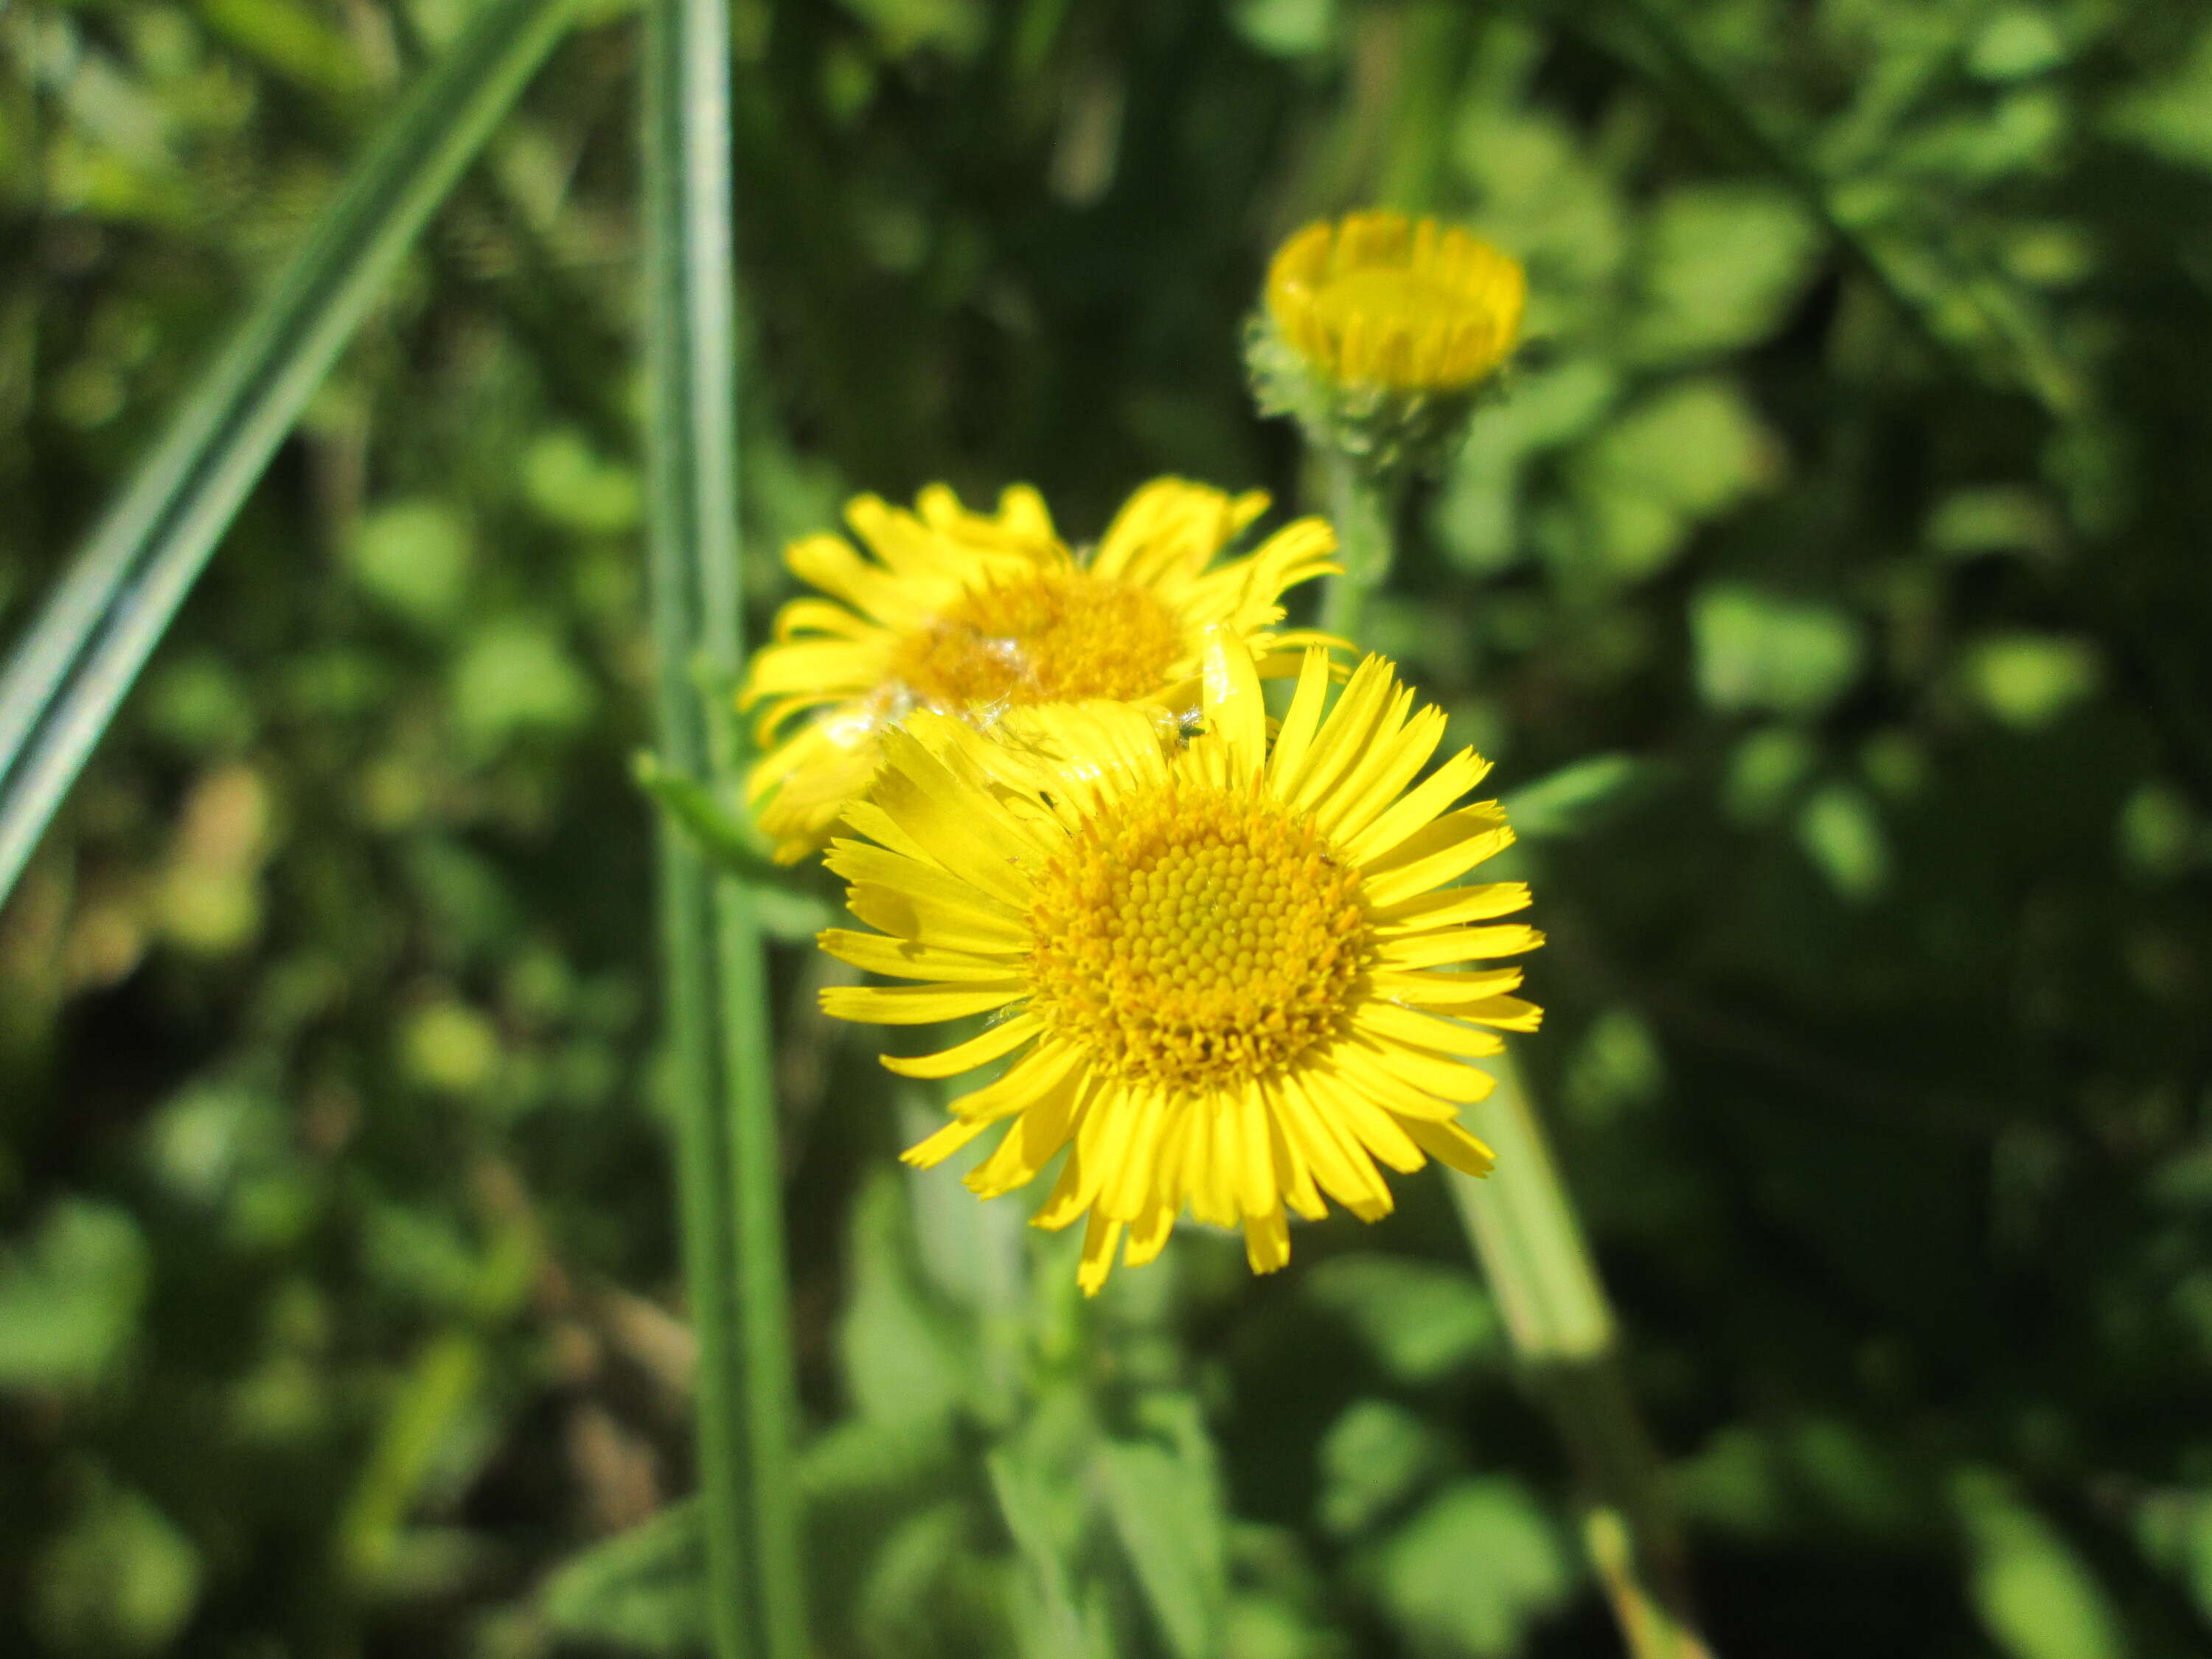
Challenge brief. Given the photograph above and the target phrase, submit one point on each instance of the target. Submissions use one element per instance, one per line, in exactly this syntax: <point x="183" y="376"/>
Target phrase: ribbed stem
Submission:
<point x="729" y="1167"/>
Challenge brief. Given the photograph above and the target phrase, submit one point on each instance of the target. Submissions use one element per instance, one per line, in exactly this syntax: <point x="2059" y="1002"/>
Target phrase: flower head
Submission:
<point x="973" y="616"/>
<point x="1378" y="330"/>
<point x="1230" y="971"/>
<point x="1377" y="300"/>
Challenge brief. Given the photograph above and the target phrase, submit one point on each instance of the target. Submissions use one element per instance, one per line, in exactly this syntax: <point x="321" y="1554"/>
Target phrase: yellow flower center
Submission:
<point x="1055" y="637"/>
<point x="1191" y="935"/>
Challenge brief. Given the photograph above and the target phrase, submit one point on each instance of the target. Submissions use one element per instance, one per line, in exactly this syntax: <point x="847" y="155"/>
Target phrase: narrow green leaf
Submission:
<point x="81" y="657"/>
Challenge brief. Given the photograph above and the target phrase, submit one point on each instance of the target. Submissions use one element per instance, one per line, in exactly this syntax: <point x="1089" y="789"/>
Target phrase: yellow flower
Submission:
<point x="1232" y="969"/>
<point x="967" y="615"/>
<point x="1375" y="300"/>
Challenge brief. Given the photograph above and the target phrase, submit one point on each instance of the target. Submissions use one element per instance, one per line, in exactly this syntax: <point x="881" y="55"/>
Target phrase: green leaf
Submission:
<point x="1469" y="1574"/>
<point x="1841" y="834"/>
<point x="121" y="1579"/>
<point x="66" y="679"/>
<point x="1759" y="651"/>
<point x="1373" y="1458"/>
<point x="2168" y="116"/>
<point x="1723" y="264"/>
<point x="516" y="677"/>
<point x="1668" y="465"/>
<point x="1423" y="1322"/>
<point x="643" y="1590"/>
<point x="1166" y="1507"/>
<point x="413" y="557"/>
<point x="70" y="1300"/>
<point x="903" y="1359"/>
<point x="573" y="487"/>
<point x="1054" y="1626"/>
<point x="2030" y="680"/>
<point x="1578" y="798"/>
<point x="2035" y="1596"/>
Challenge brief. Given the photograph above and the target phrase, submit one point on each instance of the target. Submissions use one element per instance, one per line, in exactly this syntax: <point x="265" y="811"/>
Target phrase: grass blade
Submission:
<point x="729" y="1170"/>
<point x="81" y="657"/>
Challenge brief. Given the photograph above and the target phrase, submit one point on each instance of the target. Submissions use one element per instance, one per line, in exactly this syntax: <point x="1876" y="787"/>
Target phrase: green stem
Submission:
<point x="1525" y="1232"/>
<point x="1363" y="507"/>
<point x="1531" y="1244"/>
<point x="729" y="1166"/>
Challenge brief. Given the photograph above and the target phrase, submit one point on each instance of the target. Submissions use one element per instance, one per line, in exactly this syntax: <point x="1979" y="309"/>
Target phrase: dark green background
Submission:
<point x="1855" y="480"/>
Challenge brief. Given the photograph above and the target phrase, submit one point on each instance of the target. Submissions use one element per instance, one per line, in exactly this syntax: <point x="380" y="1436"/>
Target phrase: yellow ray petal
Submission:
<point x="1390" y="1024"/>
<point x="928" y="1153"/>
<point x="1129" y="1183"/>
<point x="1070" y="1195"/>
<point x="837" y="667"/>
<point x="1300" y="724"/>
<point x="1376" y="1129"/>
<point x="1001" y="1039"/>
<point x="1099" y="1240"/>
<point x="961" y="828"/>
<point x="1453" y="907"/>
<point x="906" y="958"/>
<point x="1293" y="1173"/>
<point x="1340" y="1164"/>
<point x="1421" y="806"/>
<point x="1267" y="1241"/>
<point x="1383" y="773"/>
<point x="1149" y="1232"/>
<point x="1444" y="993"/>
<point x="1420" y="1069"/>
<point x="1428" y="858"/>
<point x="1361" y="1067"/>
<point x="1456" y="945"/>
<point x="1036" y="1135"/>
<point x="803" y="616"/>
<point x="1364" y="715"/>
<point x="1256" y="1193"/>
<point x="1452" y="1146"/>
<point x="875" y="1005"/>
<point x="1029" y="1079"/>
<point x="956" y="927"/>
<point x="1232" y="704"/>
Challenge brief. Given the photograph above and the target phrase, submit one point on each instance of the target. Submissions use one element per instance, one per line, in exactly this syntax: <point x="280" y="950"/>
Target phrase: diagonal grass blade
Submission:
<point x="78" y="661"/>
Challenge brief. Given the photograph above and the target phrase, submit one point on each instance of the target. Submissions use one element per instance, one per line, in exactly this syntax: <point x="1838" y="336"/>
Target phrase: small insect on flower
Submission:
<point x="1374" y="299"/>
<point x="969" y="615"/>
<point x="1233" y="972"/>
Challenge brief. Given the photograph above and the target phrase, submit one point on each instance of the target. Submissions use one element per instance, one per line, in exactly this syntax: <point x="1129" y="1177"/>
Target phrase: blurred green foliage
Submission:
<point x="1829" y="589"/>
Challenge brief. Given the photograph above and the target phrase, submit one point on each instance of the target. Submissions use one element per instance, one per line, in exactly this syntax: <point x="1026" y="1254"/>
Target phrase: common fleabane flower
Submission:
<point x="1377" y="332"/>
<point x="972" y="616"/>
<point x="1232" y="972"/>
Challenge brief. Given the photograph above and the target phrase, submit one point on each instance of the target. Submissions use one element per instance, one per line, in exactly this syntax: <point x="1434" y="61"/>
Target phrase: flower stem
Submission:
<point x="729" y="1169"/>
<point x="1530" y="1241"/>
<point x="1363" y="507"/>
<point x="1524" y="1229"/>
